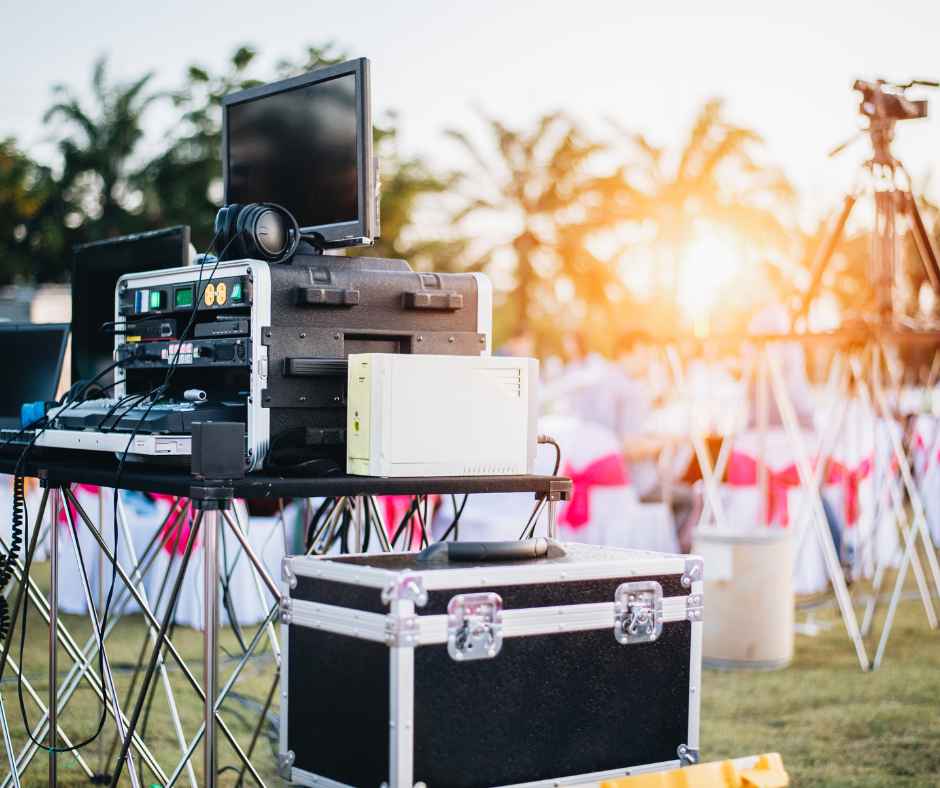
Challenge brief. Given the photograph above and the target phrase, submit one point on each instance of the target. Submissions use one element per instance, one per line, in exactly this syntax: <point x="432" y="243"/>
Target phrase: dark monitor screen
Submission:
<point x="44" y="347"/>
<point x="96" y="268"/>
<point x="305" y="144"/>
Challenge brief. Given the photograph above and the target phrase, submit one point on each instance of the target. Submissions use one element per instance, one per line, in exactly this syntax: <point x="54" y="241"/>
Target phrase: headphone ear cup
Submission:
<point x="245" y="229"/>
<point x="218" y="229"/>
<point x="234" y="245"/>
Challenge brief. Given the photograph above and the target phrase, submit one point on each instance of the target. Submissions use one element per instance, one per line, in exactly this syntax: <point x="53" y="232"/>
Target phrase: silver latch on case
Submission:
<point x="688" y="756"/>
<point x="474" y="626"/>
<point x="694" y="570"/>
<point x="287" y="572"/>
<point x="285" y="762"/>
<point x="638" y="612"/>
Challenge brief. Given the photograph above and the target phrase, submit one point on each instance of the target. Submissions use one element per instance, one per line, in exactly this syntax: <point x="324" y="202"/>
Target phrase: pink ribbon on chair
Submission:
<point x="607" y="471"/>
<point x="742" y="472"/>
<point x="396" y="506"/>
<point x="850" y="480"/>
<point x="175" y="532"/>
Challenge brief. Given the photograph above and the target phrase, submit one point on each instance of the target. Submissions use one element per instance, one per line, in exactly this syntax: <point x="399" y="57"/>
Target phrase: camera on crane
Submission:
<point x="885" y="101"/>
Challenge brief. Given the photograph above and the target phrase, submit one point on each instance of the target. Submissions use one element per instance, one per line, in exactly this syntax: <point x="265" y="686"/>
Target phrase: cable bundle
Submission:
<point x="16" y="541"/>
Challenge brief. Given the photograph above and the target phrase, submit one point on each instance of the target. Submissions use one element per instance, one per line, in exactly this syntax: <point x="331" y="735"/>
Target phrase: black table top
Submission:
<point x="72" y="467"/>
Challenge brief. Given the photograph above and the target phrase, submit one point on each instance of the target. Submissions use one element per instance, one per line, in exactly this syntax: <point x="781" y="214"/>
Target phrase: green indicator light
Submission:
<point x="184" y="297"/>
<point x="156" y="297"/>
<point x="237" y="291"/>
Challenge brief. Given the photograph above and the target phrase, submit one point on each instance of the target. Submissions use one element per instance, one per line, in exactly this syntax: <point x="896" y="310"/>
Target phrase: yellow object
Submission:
<point x="764" y="771"/>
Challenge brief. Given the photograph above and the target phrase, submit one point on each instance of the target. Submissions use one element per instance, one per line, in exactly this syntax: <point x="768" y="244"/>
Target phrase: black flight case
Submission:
<point x="449" y="669"/>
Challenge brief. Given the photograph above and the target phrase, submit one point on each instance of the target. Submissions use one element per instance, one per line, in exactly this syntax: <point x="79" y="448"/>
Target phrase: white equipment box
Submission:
<point x="425" y="415"/>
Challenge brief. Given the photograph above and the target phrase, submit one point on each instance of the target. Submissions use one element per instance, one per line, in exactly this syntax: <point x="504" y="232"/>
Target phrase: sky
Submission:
<point x="785" y="69"/>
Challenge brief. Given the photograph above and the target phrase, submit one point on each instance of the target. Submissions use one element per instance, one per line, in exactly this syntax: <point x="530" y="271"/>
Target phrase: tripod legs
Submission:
<point x="928" y="255"/>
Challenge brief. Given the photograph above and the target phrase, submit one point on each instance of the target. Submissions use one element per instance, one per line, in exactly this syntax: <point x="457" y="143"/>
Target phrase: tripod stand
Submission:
<point x="884" y="104"/>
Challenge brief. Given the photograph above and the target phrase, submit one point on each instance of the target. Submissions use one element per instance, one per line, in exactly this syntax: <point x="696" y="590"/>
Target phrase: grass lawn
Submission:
<point x="833" y="724"/>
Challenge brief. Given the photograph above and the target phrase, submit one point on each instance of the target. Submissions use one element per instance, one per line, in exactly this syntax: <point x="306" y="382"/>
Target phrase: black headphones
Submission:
<point x="260" y="230"/>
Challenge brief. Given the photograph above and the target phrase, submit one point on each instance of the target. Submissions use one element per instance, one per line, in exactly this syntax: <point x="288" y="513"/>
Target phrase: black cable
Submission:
<point x="228" y="603"/>
<point x="532" y="521"/>
<point x="19" y="530"/>
<point x="366" y="524"/>
<point x="425" y="525"/>
<point x="452" y="528"/>
<point x="344" y="531"/>
<point x="154" y="395"/>
<point x="552" y="442"/>
<point x="16" y="541"/>
<point x="42" y="421"/>
<point x="257" y="731"/>
<point x="101" y="672"/>
<point x="421" y="522"/>
<point x="314" y="523"/>
<point x="404" y="521"/>
<point x="379" y="523"/>
<point x="157" y="648"/>
<point x="133" y="399"/>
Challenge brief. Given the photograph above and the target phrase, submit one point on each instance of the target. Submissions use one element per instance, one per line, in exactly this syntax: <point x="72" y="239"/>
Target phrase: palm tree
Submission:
<point x="716" y="182"/>
<point x="97" y="148"/>
<point x="408" y="184"/>
<point x="538" y="186"/>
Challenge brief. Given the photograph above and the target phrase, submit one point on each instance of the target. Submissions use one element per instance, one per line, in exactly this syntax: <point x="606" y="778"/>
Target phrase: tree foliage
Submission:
<point x="27" y="231"/>
<point x="540" y="183"/>
<point x="106" y="186"/>
<point x="557" y="215"/>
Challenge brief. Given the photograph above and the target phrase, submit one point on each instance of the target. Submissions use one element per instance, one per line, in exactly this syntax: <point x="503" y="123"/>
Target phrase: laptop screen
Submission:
<point x="37" y="351"/>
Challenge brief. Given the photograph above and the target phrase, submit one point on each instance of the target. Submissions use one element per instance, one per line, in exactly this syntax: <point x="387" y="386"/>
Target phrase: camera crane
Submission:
<point x="883" y="104"/>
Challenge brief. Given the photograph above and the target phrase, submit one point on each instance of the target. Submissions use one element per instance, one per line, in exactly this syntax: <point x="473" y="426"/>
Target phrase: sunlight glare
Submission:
<point x="707" y="264"/>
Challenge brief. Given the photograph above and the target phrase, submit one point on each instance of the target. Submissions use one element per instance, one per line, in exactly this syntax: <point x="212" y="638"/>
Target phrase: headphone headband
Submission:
<point x="247" y="231"/>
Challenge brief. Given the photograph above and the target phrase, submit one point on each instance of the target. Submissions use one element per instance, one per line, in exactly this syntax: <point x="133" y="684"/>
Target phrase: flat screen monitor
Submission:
<point x="38" y="380"/>
<point x="306" y="144"/>
<point x="96" y="268"/>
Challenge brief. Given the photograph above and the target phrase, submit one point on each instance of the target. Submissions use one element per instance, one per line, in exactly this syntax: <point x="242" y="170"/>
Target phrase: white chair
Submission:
<point x="927" y="470"/>
<point x="249" y="598"/>
<point x="745" y="508"/>
<point x="144" y="516"/>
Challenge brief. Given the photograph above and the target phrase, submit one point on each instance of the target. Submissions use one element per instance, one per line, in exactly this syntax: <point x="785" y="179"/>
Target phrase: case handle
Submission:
<point x="326" y="296"/>
<point x="423" y="299"/>
<point x="307" y="367"/>
<point x="462" y="552"/>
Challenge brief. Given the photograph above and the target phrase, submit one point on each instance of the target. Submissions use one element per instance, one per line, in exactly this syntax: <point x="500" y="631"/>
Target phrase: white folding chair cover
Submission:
<point x="809" y="565"/>
<point x="622" y="521"/>
<point x="144" y="516"/>
<point x="742" y="504"/>
<point x="927" y="470"/>
<point x="267" y="540"/>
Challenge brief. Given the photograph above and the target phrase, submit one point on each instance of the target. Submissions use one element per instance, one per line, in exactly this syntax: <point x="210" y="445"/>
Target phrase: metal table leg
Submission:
<point x="107" y="675"/>
<point x="8" y="744"/>
<point x="53" y="634"/>
<point x="210" y="553"/>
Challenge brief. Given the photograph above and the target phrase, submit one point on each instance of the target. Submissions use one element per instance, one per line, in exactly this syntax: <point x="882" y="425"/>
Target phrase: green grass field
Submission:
<point x="833" y="724"/>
